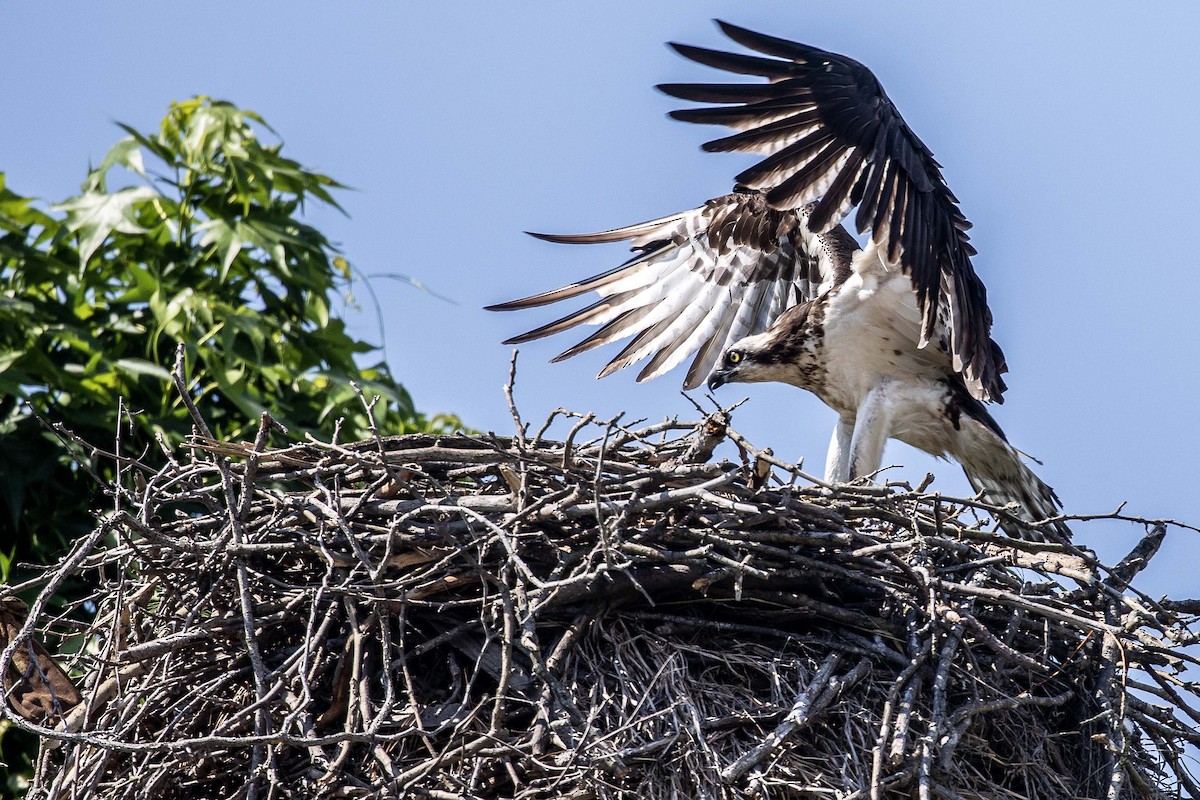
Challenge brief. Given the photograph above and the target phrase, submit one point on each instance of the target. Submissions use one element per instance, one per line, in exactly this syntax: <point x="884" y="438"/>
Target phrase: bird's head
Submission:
<point x="740" y="364"/>
<point x="786" y="352"/>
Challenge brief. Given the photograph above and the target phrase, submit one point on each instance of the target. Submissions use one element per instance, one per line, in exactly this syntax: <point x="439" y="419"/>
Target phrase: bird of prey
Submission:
<point x="764" y="283"/>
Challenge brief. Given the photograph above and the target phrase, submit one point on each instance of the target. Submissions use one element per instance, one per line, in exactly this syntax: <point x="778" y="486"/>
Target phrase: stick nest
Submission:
<point x="610" y="615"/>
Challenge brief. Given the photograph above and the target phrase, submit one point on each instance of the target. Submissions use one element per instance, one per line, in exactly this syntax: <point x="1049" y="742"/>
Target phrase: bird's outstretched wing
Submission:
<point x="832" y="137"/>
<point x="699" y="281"/>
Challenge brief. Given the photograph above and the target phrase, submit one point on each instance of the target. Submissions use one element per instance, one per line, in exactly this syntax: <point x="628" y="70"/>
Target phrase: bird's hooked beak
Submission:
<point x="719" y="377"/>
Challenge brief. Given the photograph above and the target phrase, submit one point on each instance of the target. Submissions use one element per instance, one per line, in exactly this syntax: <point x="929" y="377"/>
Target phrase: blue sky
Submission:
<point x="1066" y="129"/>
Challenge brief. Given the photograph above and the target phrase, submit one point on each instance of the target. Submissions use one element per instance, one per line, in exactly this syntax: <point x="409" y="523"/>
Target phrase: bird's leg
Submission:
<point x="837" y="461"/>
<point x="872" y="427"/>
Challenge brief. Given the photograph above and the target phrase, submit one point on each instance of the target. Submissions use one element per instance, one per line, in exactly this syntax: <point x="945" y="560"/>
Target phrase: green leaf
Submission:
<point x="94" y="215"/>
<point x="18" y="213"/>
<point x="8" y="358"/>
<point x="138" y="366"/>
<point x="126" y="153"/>
<point x="228" y="239"/>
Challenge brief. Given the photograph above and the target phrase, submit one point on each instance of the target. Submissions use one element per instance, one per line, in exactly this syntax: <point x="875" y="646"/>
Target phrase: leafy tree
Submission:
<point x="189" y="235"/>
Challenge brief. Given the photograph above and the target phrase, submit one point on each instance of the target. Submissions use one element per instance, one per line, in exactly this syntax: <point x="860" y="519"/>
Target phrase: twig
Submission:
<point x="810" y="702"/>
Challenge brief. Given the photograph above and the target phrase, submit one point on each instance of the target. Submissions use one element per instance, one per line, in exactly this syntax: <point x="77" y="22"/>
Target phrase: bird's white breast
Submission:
<point x="871" y="331"/>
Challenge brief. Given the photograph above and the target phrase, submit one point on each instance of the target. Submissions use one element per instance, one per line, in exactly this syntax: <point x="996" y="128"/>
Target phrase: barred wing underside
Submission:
<point x="699" y="281"/>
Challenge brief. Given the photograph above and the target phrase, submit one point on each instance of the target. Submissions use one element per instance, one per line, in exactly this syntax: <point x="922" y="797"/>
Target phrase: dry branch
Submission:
<point x="606" y="616"/>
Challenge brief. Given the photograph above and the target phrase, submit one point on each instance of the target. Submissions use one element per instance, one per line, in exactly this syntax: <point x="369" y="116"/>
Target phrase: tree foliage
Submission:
<point x="189" y="235"/>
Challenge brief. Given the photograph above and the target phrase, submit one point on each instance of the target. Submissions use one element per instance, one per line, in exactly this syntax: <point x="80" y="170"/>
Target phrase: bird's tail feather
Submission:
<point x="996" y="470"/>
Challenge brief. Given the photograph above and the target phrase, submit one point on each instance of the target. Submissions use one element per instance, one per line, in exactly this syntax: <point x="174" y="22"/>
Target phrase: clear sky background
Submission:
<point x="1068" y="130"/>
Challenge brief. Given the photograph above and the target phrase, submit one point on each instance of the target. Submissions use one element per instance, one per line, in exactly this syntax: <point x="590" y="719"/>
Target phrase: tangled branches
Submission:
<point x="608" y="615"/>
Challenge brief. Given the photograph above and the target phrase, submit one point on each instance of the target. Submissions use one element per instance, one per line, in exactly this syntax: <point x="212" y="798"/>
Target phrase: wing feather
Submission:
<point x="597" y="313"/>
<point x="727" y="92"/>
<point x="831" y="134"/>
<point x="686" y="331"/>
<point x="728" y="330"/>
<point x="733" y="62"/>
<point x="838" y="198"/>
<point x="619" y="327"/>
<point x="768" y="137"/>
<point x="737" y="117"/>
<point x="699" y="281"/>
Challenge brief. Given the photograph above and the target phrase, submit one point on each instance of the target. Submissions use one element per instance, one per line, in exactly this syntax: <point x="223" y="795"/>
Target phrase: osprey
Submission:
<point x="764" y="283"/>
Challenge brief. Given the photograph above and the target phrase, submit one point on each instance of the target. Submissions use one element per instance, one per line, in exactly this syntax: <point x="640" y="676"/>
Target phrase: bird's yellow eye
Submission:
<point x="734" y="357"/>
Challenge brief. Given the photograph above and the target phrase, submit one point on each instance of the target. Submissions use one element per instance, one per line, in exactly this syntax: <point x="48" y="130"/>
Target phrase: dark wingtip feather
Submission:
<point x="514" y="305"/>
<point x="763" y="43"/>
<point x="729" y="29"/>
<point x="522" y="339"/>
<point x="734" y="62"/>
<point x="598" y="237"/>
<point x="576" y="238"/>
<point x="535" y="300"/>
<point x="721" y="92"/>
<point x="683" y="114"/>
<point x="679" y="47"/>
<point x="691" y="51"/>
<point x="708" y="116"/>
<point x="548" y="329"/>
